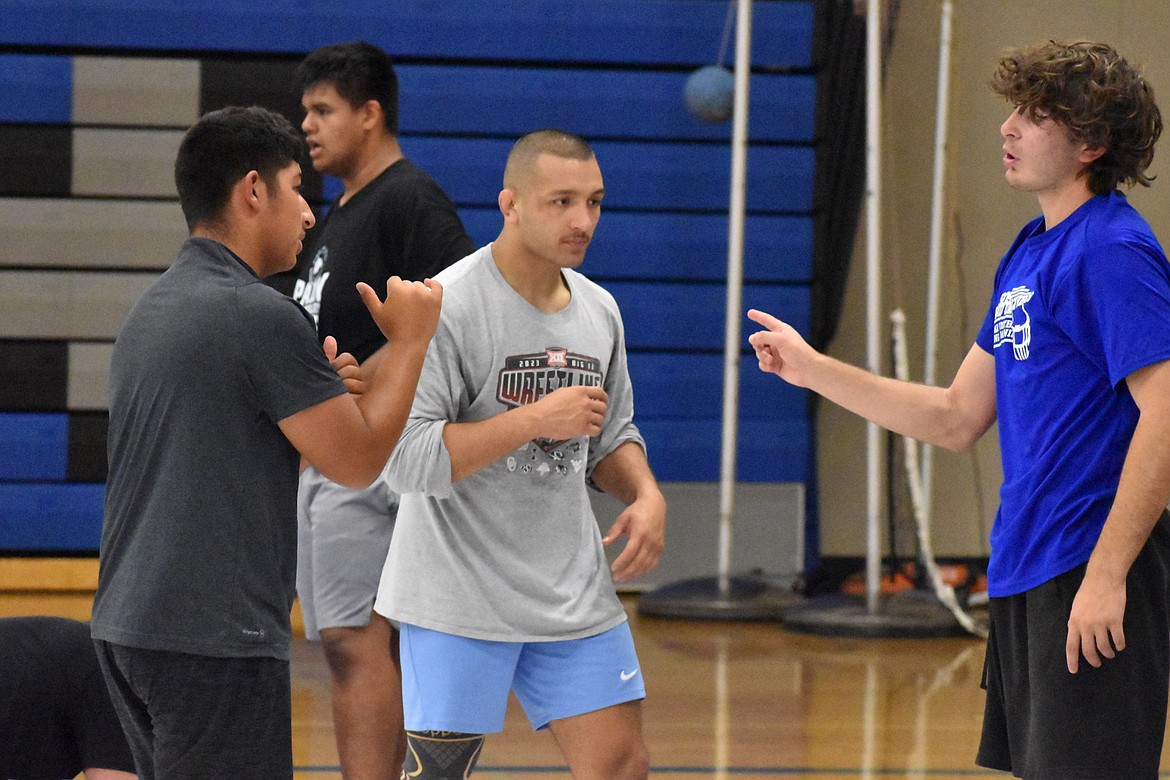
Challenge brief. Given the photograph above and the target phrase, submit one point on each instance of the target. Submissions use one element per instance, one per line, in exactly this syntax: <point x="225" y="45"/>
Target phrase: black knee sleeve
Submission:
<point x="440" y="755"/>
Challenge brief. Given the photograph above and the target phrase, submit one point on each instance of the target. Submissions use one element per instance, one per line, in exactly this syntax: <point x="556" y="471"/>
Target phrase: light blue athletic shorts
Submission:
<point x="452" y="683"/>
<point x="343" y="535"/>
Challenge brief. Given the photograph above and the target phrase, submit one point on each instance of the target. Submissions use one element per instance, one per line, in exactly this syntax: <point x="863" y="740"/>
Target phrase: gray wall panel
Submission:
<point x="134" y="163"/>
<point x="768" y="531"/>
<point x="89" y="376"/>
<point x="50" y="232"/>
<point x="135" y="91"/>
<point x="76" y="305"/>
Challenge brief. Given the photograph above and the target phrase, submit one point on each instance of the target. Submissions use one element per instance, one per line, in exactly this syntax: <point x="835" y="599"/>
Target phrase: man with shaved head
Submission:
<point x="497" y="573"/>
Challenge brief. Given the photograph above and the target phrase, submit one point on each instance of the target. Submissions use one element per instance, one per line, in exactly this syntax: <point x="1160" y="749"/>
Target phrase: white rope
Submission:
<point x="944" y="592"/>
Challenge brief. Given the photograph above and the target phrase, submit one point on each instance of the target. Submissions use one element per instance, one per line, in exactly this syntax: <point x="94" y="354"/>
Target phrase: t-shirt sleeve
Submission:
<point x="618" y="426"/>
<point x="433" y="236"/>
<point x="420" y="462"/>
<point x="985" y="338"/>
<point x="281" y="355"/>
<point x="1114" y="302"/>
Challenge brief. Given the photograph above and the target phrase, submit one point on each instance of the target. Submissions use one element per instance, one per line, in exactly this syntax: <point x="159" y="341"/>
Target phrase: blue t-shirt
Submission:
<point x="1075" y="310"/>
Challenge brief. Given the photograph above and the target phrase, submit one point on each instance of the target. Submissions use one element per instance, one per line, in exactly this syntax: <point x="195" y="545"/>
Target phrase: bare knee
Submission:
<point x="367" y="647"/>
<point x="630" y="763"/>
<point x="342" y="650"/>
<point x="635" y="764"/>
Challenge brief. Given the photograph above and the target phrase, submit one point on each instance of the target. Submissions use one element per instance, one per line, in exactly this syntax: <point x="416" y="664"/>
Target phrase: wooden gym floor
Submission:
<point x="725" y="700"/>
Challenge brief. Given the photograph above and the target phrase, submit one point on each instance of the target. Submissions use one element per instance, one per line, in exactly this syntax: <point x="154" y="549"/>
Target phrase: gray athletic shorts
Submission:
<point x="342" y="539"/>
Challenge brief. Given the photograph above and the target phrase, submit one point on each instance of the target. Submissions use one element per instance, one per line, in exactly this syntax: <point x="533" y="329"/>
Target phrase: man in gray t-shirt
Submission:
<point x="497" y="573"/>
<point x="217" y="387"/>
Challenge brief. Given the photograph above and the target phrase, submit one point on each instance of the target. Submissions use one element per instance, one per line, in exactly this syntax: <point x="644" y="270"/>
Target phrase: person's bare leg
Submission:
<point x="367" y="699"/>
<point x="606" y="744"/>
<point x="93" y="773"/>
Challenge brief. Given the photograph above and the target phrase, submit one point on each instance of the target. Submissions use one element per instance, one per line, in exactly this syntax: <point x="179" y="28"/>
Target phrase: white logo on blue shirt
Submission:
<point x="1012" y="324"/>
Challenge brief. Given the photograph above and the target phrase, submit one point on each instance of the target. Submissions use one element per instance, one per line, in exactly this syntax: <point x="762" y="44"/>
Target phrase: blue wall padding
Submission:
<point x="680" y="245"/>
<point x="675" y="385"/>
<point x="637" y="174"/>
<point x="666" y="32"/>
<point x="33" y="446"/>
<point x="689" y="450"/>
<point x="634" y="104"/>
<point x="51" y="517"/>
<point x="35" y="89"/>
<point x="691" y="316"/>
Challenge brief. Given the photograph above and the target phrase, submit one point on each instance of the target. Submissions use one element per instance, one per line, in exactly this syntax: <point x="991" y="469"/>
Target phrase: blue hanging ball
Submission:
<point x="710" y="93"/>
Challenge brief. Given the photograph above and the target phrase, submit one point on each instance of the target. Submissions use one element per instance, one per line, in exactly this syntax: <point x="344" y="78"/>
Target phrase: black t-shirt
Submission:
<point x="401" y="223"/>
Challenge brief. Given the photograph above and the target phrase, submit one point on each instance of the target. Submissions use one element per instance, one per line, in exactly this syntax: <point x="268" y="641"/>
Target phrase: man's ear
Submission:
<point x="249" y="190"/>
<point x="1090" y="154"/>
<point x="372" y="115"/>
<point x="507" y="202"/>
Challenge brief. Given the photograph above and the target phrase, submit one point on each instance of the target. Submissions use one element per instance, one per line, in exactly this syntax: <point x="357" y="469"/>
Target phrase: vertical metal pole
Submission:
<point x="873" y="294"/>
<point x="930" y="348"/>
<point x="736" y="208"/>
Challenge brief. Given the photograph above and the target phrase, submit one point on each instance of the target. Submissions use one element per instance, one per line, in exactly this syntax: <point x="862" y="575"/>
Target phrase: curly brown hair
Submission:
<point x="1099" y="97"/>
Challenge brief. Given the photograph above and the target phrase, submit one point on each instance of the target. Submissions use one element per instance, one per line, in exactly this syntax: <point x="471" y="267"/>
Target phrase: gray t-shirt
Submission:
<point x="513" y="551"/>
<point x="198" y="551"/>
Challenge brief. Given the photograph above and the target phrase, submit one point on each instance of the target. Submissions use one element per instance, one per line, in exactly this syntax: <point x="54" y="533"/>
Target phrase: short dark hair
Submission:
<point x="359" y="71"/>
<point x="558" y="143"/>
<point x="1099" y="97"/>
<point x="221" y="148"/>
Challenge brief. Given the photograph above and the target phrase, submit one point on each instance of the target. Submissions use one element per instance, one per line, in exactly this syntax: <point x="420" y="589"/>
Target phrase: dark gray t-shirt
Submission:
<point x="198" y="549"/>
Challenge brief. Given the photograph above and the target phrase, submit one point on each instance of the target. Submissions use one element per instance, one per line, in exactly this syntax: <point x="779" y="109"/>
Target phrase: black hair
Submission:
<point x="559" y="143"/>
<point x="221" y="148"/>
<point x="359" y="71"/>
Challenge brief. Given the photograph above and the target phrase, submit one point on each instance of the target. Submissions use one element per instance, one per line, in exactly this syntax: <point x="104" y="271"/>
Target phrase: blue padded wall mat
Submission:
<point x="33" y="446"/>
<point x="595" y="103"/>
<point x="36" y="89"/>
<point x="51" y="516"/>
<point x="679" y="385"/>
<point x="680" y="245"/>
<point x="689" y="450"/>
<point x="638" y="175"/>
<point x="691" y="316"/>
<point x="667" y="32"/>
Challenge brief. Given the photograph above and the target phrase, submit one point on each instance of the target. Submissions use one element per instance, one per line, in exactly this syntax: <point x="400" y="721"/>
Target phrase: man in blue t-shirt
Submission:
<point x="1073" y="359"/>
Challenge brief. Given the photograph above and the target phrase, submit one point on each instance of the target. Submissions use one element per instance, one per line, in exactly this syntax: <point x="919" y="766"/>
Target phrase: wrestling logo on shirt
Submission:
<point x="1013" y="325"/>
<point x="308" y="291"/>
<point x="525" y="379"/>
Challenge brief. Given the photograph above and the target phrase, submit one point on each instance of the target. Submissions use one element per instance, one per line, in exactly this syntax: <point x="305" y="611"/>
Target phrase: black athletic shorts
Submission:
<point x="55" y="714"/>
<point x="199" y="717"/>
<point x="1042" y="723"/>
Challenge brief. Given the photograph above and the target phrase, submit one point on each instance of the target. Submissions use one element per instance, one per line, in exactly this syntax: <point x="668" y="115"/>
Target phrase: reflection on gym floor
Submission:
<point x="746" y="700"/>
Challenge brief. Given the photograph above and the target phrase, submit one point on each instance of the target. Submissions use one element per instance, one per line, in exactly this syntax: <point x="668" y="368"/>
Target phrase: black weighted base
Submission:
<point x="908" y="614"/>
<point x="747" y="597"/>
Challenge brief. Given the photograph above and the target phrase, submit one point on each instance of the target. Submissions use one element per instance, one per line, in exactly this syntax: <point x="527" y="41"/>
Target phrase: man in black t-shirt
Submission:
<point x="390" y="219"/>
